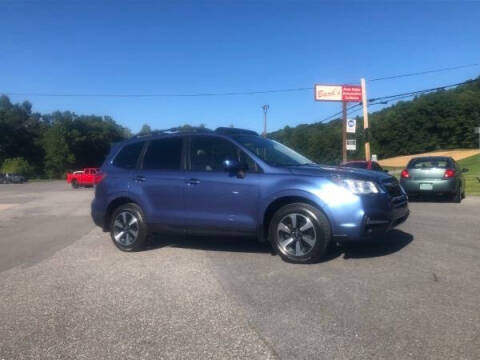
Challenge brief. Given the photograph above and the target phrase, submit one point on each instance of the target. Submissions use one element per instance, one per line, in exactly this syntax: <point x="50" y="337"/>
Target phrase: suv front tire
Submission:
<point x="300" y="233"/>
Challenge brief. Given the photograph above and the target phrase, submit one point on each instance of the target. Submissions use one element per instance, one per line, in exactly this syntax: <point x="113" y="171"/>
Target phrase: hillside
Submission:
<point x="442" y="120"/>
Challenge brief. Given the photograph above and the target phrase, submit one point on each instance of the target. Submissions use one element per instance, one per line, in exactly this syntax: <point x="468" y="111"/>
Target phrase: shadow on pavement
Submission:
<point x="431" y="199"/>
<point x="211" y="243"/>
<point x="386" y="244"/>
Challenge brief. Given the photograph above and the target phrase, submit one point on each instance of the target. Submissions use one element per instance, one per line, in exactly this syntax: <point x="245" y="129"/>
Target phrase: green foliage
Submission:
<point x="440" y="120"/>
<point x="17" y="165"/>
<point x="58" y="142"/>
<point x="145" y="130"/>
<point x="472" y="163"/>
<point x="321" y="143"/>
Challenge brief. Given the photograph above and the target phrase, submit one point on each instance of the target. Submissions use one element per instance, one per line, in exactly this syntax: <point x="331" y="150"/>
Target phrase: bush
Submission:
<point x="17" y="165"/>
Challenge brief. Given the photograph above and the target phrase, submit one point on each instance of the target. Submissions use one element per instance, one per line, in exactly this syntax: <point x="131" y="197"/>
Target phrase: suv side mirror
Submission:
<point x="464" y="170"/>
<point x="385" y="170"/>
<point x="235" y="167"/>
<point x="231" y="165"/>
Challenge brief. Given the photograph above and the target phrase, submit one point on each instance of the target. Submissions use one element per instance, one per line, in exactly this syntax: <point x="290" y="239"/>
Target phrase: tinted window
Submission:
<point x="357" y="165"/>
<point x="127" y="157"/>
<point x="272" y="152"/>
<point x="209" y="153"/>
<point x="164" y="154"/>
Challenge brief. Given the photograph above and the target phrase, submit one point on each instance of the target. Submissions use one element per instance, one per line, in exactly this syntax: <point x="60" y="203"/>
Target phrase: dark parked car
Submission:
<point x="434" y="175"/>
<point x="364" y="164"/>
<point x="14" y="179"/>
<point x="235" y="182"/>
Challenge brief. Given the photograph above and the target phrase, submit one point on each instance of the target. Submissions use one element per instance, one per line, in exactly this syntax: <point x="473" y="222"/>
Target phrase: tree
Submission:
<point x="145" y="130"/>
<point x="17" y="165"/>
<point x="440" y="120"/>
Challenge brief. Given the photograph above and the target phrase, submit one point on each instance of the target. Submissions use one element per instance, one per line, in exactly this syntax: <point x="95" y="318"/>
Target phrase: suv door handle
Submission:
<point x="193" y="181"/>
<point x="140" y="178"/>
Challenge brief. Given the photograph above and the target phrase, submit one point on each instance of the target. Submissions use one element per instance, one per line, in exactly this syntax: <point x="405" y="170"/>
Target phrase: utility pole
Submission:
<point x="365" y="119"/>
<point x="344" y="131"/>
<point x="265" y="110"/>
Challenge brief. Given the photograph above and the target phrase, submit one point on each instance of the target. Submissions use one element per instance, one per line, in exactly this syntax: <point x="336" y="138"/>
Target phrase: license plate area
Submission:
<point x="426" y="187"/>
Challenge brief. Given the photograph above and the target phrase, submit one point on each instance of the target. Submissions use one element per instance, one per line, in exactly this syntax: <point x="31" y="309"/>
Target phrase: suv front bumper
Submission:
<point x="380" y="213"/>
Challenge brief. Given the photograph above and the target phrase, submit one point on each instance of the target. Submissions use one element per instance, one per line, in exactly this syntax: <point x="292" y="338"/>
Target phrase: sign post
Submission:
<point x="351" y="126"/>
<point x="351" y="144"/>
<point x="365" y="119"/>
<point x="345" y="94"/>
<point x="344" y="131"/>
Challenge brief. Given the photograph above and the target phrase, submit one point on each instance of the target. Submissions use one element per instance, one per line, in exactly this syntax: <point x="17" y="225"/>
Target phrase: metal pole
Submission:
<point x="344" y="131"/>
<point x="365" y="119"/>
<point x="265" y="109"/>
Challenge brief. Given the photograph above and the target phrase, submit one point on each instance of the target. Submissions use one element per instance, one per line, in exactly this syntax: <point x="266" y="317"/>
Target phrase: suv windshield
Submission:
<point x="272" y="152"/>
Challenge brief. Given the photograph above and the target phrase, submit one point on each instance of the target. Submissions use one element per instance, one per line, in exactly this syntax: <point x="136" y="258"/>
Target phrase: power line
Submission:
<point x="422" y="72"/>
<point x="383" y="100"/>
<point x="421" y="91"/>
<point x="252" y="92"/>
<point x="211" y="94"/>
<point x="340" y="112"/>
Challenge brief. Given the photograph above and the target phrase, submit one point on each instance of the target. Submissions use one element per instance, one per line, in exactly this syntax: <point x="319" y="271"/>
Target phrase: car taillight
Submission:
<point x="449" y="173"/>
<point x="405" y="174"/>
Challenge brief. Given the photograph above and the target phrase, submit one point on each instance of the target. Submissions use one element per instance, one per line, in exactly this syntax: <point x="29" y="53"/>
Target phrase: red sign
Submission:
<point x="351" y="93"/>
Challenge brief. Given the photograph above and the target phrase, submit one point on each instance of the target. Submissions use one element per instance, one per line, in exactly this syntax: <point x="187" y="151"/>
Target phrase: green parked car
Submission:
<point x="434" y="175"/>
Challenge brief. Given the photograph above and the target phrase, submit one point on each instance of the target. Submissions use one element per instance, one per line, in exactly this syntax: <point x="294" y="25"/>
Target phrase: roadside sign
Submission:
<point x="477" y="130"/>
<point x="374" y="157"/>
<point x="328" y="92"/>
<point x="351" y="144"/>
<point x="346" y="93"/>
<point x="352" y="93"/>
<point x="351" y="126"/>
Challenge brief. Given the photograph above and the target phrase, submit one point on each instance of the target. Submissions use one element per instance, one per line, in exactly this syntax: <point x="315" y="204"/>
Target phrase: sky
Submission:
<point x="185" y="47"/>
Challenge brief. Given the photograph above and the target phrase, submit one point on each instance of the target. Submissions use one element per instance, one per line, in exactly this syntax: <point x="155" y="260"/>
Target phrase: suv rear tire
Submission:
<point x="300" y="233"/>
<point x="127" y="228"/>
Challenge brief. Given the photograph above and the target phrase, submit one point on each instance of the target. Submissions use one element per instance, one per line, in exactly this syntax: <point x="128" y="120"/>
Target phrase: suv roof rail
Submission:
<point x="234" y="131"/>
<point x="174" y="130"/>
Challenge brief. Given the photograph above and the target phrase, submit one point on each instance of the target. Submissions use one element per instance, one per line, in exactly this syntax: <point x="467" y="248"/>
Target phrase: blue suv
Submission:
<point x="235" y="182"/>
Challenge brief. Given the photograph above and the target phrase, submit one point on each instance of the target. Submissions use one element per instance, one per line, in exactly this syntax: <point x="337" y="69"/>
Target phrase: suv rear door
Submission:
<point x="159" y="182"/>
<point x="215" y="200"/>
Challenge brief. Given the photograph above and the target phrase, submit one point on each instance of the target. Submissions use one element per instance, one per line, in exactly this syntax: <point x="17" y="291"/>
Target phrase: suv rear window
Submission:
<point x="164" y="154"/>
<point x="128" y="156"/>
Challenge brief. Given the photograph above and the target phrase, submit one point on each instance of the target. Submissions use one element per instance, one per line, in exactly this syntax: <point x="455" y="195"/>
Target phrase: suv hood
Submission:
<point x="326" y="171"/>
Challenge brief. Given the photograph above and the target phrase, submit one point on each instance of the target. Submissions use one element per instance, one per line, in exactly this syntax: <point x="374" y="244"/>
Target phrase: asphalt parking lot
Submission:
<point x="67" y="293"/>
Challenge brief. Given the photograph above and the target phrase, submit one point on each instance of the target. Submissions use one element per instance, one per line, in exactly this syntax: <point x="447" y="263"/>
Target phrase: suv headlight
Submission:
<point x="359" y="187"/>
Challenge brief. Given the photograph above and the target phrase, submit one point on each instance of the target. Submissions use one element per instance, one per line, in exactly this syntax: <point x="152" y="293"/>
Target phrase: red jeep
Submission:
<point x="88" y="177"/>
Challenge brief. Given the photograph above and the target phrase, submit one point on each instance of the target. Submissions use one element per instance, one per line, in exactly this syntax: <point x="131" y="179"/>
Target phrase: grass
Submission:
<point x="472" y="163"/>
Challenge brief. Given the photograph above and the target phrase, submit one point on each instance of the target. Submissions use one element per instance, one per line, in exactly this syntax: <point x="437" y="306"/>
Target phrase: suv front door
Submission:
<point x="217" y="201"/>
